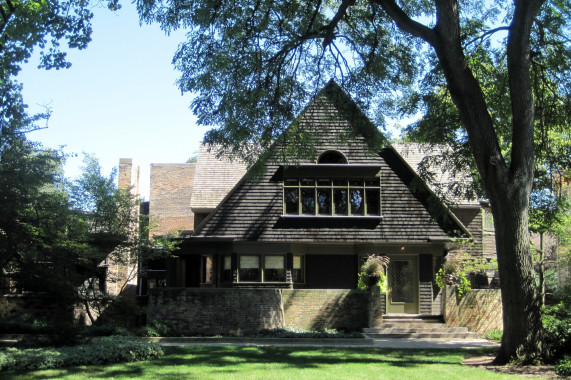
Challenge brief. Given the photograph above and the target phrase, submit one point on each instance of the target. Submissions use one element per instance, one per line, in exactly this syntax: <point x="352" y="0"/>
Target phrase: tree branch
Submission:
<point x="519" y="62"/>
<point x="405" y="23"/>
<point x="330" y="28"/>
<point x="486" y="34"/>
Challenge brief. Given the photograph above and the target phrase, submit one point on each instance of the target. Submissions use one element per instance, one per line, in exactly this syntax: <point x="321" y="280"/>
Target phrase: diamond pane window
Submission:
<point x="308" y="201"/>
<point x="331" y="196"/>
<point x="324" y="201"/>
<point x="291" y="196"/>
<point x="340" y="201"/>
<point x="274" y="269"/>
<point x="402" y="281"/>
<point x="357" y="202"/>
<point x="249" y="268"/>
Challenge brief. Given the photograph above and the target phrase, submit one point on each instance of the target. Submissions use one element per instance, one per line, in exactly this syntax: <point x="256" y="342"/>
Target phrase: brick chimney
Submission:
<point x="128" y="175"/>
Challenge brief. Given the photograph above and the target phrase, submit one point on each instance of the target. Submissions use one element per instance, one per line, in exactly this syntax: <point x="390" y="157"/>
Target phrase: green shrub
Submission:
<point x="557" y="324"/>
<point x="294" y="332"/>
<point x="494" y="335"/>
<point x="103" y="350"/>
<point x="23" y="324"/>
<point x="463" y="287"/>
<point x="564" y="367"/>
<point x="154" y="329"/>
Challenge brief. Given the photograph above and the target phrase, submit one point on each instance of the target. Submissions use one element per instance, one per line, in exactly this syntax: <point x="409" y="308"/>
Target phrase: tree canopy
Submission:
<point x="479" y="69"/>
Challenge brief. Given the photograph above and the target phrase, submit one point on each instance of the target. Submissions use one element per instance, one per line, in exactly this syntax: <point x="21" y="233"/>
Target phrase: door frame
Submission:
<point x="402" y="307"/>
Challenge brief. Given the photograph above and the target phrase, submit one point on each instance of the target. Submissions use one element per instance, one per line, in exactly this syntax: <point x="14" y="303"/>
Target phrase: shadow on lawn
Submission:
<point x="221" y="360"/>
<point x="226" y="358"/>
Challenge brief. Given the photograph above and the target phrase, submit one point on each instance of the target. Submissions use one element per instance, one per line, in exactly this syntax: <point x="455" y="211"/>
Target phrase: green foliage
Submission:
<point x="293" y="332"/>
<point x="104" y="350"/>
<point x="441" y="279"/>
<point x="452" y="273"/>
<point x="494" y="335"/>
<point x="23" y="324"/>
<point x="373" y="273"/>
<point x="155" y="329"/>
<point x="463" y="287"/>
<point x="556" y="321"/>
<point x="563" y="368"/>
<point x="27" y="25"/>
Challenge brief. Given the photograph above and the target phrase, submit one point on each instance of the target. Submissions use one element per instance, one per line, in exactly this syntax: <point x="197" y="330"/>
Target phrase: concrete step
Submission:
<point x="405" y="330"/>
<point x="423" y="335"/>
<point x="407" y="318"/>
<point x="412" y="325"/>
<point x="417" y="327"/>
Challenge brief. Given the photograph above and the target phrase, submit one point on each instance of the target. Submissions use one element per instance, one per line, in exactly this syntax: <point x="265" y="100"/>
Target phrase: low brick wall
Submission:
<point x="480" y="310"/>
<point x="341" y="309"/>
<point x="240" y="311"/>
<point x="194" y="311"/>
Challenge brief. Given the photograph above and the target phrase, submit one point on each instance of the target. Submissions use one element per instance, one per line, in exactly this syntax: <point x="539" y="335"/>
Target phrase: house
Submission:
<point x="309" y="220"/>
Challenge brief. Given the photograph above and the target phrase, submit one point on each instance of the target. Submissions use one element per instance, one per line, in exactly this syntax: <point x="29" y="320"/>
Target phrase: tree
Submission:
<point x="253" y="64"/>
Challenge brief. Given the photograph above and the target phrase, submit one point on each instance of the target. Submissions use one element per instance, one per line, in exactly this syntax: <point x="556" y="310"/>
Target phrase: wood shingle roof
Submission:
<point x="253" y="210"/>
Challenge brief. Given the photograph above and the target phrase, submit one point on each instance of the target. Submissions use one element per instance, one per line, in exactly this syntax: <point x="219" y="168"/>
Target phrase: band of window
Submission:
<point x="339" y="197"/>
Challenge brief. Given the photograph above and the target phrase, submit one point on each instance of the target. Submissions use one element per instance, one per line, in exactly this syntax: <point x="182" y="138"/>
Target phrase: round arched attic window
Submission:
<point x="332" y="157"/>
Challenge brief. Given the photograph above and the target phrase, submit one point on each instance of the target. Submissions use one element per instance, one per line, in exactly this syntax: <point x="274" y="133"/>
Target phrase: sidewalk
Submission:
<point x="7" y="340"/>
<point x="321" y="342"/>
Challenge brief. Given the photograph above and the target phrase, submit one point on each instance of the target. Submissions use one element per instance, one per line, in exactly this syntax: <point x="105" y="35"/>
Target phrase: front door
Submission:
<point x="403" y="289"/>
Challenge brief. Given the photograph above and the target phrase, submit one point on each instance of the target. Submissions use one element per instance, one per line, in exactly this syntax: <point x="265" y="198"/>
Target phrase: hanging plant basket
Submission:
<point x="371" y="279"/>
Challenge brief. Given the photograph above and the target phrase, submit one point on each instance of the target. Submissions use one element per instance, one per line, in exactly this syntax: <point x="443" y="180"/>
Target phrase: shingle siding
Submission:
<point x="253" y="209"/>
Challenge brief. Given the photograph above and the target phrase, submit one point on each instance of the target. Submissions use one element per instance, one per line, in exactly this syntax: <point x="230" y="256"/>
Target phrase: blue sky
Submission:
<point x="119" y="98"/>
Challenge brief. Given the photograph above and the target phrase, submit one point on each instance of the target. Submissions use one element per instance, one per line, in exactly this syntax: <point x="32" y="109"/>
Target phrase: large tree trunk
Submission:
<point x="507" y="186"/>
<point x="523" y="332"/>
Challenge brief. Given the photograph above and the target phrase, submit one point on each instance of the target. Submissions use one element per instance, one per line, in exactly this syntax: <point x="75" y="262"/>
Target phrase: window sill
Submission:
<point x="328" y="221"/>
<point x="351" y="217"/>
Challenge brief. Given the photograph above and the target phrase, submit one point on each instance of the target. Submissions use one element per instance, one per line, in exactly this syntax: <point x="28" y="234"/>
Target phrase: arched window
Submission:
<point x="332" y="157"/>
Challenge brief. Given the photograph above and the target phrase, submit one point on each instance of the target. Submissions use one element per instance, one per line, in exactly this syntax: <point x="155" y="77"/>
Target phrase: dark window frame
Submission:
<point x="261" y="278"/>
<point x="343" y="194"/>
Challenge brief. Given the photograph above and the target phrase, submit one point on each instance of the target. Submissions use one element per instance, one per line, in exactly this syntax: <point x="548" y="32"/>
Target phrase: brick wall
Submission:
<point x="342" y="309"/>
<point x="170" y="197"/>
<point x="480" y="310"/>
<point x="240" y="311"/>
<point x="40" y="306"/>
<point x="377" y="307"/>
<point x="193" y="311"/>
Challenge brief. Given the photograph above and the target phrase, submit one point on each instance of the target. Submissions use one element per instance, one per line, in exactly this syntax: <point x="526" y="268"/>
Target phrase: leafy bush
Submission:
<point x="463" y="287"/>
<point x="494" y="335"/>
<point x="23" y="324"/>
<point x="557" y="324"/>
<point x="453" y="273"/>
<point x="373" y="273"/>
<point x="154" y="329"/>
<point x="564" y="367"/>
<point x="293" y="332"/>
<point x="103" y="350"/>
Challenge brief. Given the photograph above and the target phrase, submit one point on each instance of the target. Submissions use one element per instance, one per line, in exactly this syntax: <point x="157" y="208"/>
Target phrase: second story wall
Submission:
<point x="170" y="197"/>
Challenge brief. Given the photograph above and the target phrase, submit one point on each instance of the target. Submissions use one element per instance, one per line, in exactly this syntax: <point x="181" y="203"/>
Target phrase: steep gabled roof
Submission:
<point x="444" y="178"/>
<point x="253" y="209"/>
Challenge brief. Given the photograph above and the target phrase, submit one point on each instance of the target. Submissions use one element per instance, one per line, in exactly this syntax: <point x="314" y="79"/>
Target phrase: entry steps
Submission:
<point x="417" y="327"/>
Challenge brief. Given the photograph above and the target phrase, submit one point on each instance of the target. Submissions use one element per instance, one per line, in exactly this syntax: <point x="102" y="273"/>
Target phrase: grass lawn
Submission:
<point x="234" y="362"/>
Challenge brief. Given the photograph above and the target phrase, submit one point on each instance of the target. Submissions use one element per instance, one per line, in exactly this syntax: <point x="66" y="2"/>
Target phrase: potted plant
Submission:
<point x="373" y="272"/>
